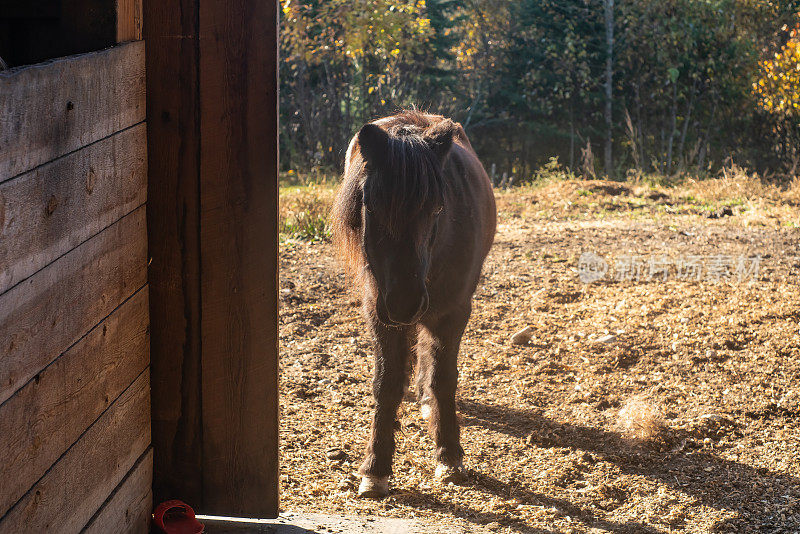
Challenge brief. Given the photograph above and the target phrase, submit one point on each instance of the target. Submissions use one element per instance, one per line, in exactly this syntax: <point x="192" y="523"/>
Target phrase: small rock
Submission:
<point x="609" y="338"/>
<point x="342" y="378"/>
<point x="522" y="337"/>
<point x="725" y="211"/>
<point x="717" y="418"/>
<point x="342" y="401"/>
<point x="302" y="392"/>
<point x="336" y="454"/>
<point x="347" y="483"/>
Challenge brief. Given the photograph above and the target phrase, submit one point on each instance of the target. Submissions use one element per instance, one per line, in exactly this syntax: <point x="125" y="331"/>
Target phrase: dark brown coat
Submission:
<point x="414" y="218"/>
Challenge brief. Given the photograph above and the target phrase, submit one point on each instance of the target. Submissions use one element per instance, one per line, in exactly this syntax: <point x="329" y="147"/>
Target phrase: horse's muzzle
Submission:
<point x="400" y="308"/>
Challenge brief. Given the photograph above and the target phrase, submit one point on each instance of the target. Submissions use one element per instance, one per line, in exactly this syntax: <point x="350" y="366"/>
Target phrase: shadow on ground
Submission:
<point x="713" y="481"/>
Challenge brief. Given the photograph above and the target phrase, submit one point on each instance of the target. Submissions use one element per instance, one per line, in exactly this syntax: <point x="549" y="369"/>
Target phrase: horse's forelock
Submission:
<point x="407" y="184"/>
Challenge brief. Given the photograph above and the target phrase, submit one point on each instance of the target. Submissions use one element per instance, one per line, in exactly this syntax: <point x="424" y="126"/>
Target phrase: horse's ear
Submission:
<point x="440" y="138"/>
<point x="373" y="142"/>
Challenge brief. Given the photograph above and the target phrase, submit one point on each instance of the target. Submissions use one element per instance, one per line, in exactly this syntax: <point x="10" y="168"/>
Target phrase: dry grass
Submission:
<point x="641" y="420"/>
<point x="792" y="194"/>
<point x="303" y="211"/>
<point x="734" y="183"/>
<point x="753" y="201"/>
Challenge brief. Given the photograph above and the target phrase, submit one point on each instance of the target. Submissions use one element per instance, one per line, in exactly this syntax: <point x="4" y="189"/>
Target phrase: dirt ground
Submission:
<point x="639" y="404"/>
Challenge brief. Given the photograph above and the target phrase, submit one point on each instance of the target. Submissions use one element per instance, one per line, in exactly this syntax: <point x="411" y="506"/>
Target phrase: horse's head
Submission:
<point x="403" y="197"/>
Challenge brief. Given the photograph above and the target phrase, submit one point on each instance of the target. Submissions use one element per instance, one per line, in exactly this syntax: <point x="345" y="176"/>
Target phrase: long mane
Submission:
<point x="407" y="183"/>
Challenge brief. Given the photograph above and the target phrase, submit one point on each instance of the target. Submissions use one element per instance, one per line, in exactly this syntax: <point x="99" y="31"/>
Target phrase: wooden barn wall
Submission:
<point x="75" y="448"/>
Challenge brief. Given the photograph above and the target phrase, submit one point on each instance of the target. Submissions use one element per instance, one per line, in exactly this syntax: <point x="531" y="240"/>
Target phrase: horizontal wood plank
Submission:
<point x="48" y="211"/>
<point x="127" y="510"/>
<point x="46" y="314"/>
<point x="67" y="497"/>
<point x="51" y="109"/>
<point x="46" y="416"/>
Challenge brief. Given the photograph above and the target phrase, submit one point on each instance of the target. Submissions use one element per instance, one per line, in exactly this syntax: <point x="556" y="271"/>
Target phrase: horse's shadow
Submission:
<point x="712" y="481"/>
<point x="497" y="487"/>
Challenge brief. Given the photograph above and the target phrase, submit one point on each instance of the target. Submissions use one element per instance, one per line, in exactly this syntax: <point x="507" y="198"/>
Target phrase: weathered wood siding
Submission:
<point x="75" y="448"/>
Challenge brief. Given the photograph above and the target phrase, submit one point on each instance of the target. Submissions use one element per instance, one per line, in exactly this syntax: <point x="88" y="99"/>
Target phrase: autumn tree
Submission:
<point x="344" y="62"/>
<point x="666" y="85"/>
<point x="778" y="94"/>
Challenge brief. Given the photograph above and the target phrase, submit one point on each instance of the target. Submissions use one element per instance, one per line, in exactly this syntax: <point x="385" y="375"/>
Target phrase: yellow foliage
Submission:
<point x="778" y="88"/>
<point x="355" y="29"/>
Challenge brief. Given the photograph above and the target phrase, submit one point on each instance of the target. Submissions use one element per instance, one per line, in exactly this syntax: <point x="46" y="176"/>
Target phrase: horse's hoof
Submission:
<point x="373" y="487"/>
<point x="425" y="411"/>
<point x="425" y="407"/>
<point x="447" y="473"/>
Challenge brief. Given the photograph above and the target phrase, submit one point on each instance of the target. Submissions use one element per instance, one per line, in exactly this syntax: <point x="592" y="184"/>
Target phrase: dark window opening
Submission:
<point x="32" y="32"/>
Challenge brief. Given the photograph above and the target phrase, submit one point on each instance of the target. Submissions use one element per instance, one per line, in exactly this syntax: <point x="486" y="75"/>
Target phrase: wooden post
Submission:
<point x="212" y="228"/>
<point x="129" y="20"/>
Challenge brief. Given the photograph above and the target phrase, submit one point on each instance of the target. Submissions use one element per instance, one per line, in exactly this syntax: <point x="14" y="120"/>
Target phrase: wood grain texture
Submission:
<point x="46" y="416"/>
<point x="173" y="235"/>
<point x="67" y="497"/>
<point x="238" y="235"/>
<point x="129" y="20"/>
<point x="50" y="210"/>
<point x="47" y="313"/>
<point x="128" y="509"/>
<point x="212" y="225"/>
<point x="51" y="109"/>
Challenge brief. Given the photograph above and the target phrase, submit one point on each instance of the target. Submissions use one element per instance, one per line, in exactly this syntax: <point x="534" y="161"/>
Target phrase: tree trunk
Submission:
<point x="571" y="136"/>
<point x="348" y="111"/>
<point x="640" y="125"/>
<point x="701" y="160"/>
<point x="609" y="16"/>
<point x="673" y="126"/>
<point x="685" y="128"/>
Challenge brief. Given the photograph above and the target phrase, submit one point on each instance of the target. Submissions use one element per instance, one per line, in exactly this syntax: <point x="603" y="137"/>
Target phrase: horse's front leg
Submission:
<point x="391" y="356"/>
<point x="440" y="339"/>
